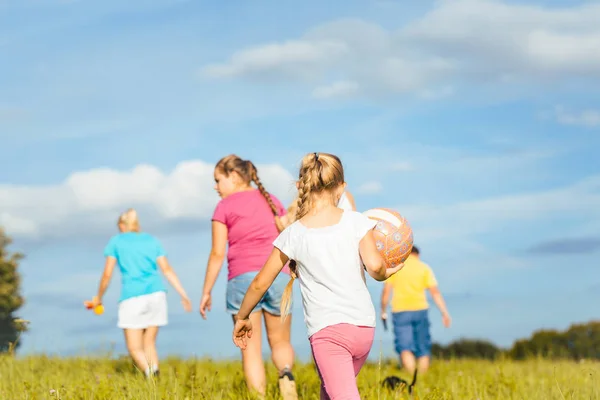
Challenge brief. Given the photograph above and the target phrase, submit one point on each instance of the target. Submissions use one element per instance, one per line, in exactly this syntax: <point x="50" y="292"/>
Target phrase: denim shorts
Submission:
<point x="270" y="302"/>
<point x="411" y="332"/>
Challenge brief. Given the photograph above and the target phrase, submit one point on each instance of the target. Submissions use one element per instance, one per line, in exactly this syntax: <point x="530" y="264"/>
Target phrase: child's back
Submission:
<point x="136" y="255"/>
<point x="250" y="230"/>
<point x="330" y="271"/>
<point x="410" y="284"/>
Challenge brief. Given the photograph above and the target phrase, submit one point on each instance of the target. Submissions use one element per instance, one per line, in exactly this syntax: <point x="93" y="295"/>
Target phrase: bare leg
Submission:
<point x="408" y="361"/>
<point x="135" y="346"/>
<point x="282" y="353"/>
<point x="423" y="364"/>
<point x="252" y="362"/>
<point x="278" y="334"/>
<point x="149" y="341"/>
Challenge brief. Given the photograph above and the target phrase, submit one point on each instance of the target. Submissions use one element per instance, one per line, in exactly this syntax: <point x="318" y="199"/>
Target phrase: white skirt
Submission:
<point x="141" y="312"/>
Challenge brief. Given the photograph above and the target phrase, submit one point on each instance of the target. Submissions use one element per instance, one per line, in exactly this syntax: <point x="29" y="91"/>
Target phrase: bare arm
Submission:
<point x="171" y="276"/>
<point x="261" y="283"/>
<point x="215" y="262"/>
<point x="440" y="303"/>
<point x="216" y="257"/>
<point x="109" y="267"/>
<point x="385" y="297"/>
<point x="281" y="222"/>
<point x="373" y="261"/>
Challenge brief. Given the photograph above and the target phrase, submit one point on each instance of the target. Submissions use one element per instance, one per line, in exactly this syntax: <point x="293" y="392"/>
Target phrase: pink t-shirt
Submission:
<point x="251" y="230"/>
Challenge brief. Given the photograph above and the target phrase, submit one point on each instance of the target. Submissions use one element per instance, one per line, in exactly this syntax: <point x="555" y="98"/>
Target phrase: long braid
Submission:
<point x="252" y="172"/>
<point x="303" y="206"/>
<point x="261" y="188"/>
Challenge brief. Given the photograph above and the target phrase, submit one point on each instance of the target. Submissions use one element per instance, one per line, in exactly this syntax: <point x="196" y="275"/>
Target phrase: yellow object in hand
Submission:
<point x="99" y="309"/>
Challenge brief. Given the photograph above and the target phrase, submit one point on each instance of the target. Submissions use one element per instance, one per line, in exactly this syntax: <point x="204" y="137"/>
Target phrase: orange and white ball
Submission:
<point x="393" y="235"/>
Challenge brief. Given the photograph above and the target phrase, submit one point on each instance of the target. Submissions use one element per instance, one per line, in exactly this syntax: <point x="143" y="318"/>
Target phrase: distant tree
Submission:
<point x="10" y="295"/>
<point x="578" y="342"/>
<point x="439" y="351"/>
<point x="583" y="340"/>
<point x="467" y="348"/>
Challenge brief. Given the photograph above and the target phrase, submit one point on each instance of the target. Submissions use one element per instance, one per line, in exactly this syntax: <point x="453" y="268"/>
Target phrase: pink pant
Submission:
<point x="340" y="352"/>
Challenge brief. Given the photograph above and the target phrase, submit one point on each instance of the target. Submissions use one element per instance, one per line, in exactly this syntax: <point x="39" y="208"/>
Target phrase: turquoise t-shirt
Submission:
<point x="136" y="255"/>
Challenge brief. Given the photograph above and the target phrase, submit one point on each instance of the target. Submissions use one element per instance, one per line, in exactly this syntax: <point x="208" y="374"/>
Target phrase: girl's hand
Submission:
<point x="96" y="301"/>
<point x="205" y="304"/>
<point x="187" y="303"/>
<point x="242" y="331"/>
<point x="391" y="271"/>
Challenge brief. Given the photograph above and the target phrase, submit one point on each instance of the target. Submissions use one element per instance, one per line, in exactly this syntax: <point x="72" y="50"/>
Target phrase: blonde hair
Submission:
<point x="247" y="172"/>
<point x="130" y="220"/>
<point x="319" y="173"/>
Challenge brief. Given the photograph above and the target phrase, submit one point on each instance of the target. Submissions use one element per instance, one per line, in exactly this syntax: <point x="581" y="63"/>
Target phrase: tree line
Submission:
<point x="579" y="341"/>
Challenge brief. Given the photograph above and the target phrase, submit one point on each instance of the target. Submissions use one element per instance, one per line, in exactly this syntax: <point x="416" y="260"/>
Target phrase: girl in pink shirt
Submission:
<point x="248" y="220"/>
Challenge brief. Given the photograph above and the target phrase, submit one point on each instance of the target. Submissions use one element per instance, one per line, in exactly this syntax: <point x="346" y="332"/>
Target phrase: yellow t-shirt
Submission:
<point x="409" y="285"/>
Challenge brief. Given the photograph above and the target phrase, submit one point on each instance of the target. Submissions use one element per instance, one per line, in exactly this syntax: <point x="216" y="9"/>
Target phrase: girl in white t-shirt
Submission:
<point x="327" y="248"/>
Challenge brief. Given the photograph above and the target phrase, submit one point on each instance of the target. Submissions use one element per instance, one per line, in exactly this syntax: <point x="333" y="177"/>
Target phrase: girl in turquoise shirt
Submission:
<point x="143" y="302"/>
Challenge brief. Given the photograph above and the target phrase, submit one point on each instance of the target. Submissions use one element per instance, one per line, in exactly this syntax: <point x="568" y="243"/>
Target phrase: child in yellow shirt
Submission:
<point x="410" y="311"/>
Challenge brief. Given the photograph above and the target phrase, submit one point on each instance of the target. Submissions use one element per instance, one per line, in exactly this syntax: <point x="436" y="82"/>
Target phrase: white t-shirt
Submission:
<point x="330" y="272"/>
<point x="344" y="203"/>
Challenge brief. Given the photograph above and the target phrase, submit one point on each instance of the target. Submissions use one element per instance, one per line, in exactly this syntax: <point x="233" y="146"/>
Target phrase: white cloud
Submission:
<point x="513" y="39"/>
<point x="458" y="41"/>
<point x="469" y="240"/>
<point x="336" y="89"/>
<point x="469" y="218"/>
<point x="88" y="202"/>
<point x="587" y="118"/>
<point x="434" y="94"/>
<point x="292" y="58"/>
<point x="372" y="187"/>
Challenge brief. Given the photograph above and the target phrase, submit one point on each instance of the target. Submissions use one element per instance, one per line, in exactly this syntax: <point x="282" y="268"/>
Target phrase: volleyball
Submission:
<point x="393" y="235"/>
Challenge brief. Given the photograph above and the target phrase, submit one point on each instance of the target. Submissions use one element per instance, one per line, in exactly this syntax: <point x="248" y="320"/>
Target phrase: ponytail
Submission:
<point x="302" y="206"/>
<point x="286" y="298"/>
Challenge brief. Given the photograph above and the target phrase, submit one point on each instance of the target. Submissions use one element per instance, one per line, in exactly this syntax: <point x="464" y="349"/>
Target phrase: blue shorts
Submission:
<point x="270" y="302"/>
<point x="411" y="332"/>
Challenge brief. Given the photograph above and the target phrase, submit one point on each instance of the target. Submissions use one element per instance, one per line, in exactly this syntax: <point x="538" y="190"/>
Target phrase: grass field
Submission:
<point x="97" y="378"/>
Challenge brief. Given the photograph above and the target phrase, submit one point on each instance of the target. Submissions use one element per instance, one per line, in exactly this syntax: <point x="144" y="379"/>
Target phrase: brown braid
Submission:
<point x="254" y="177"/>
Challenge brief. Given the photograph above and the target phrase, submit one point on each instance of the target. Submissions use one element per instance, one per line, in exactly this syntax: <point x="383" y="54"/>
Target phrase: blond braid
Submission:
<point x="304" y="189"/>
<point x="302" y="207"/>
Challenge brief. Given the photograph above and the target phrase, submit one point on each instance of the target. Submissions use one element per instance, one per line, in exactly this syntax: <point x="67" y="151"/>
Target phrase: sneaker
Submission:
<point x="287" y="385"/>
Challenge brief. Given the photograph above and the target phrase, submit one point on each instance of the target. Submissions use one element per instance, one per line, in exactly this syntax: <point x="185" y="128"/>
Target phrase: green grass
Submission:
<point x="97" y="378"/>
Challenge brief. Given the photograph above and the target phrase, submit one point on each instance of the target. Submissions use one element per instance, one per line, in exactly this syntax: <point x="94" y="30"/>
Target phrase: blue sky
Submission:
<point x="477" y="120"/>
